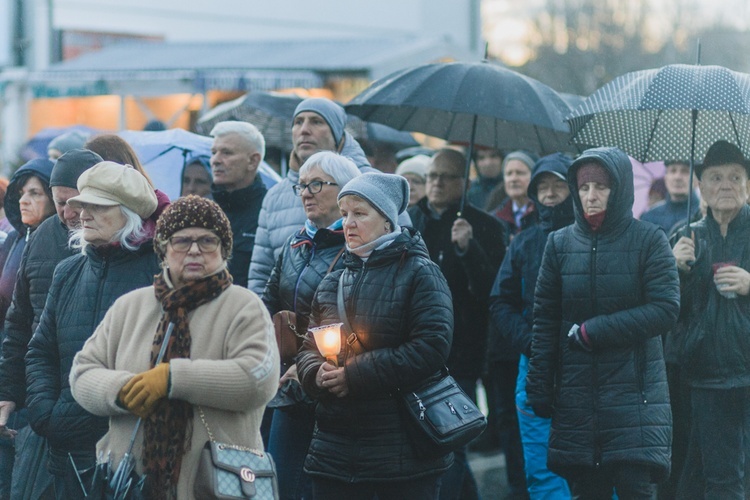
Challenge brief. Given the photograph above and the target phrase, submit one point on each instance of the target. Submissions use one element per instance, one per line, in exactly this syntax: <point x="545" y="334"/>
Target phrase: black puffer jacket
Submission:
<point x="83" y="288"/>
<point x="469" y="277"/>
<point x="301" y="266"/>
<point x="610" y="405"/>
<point x="715" y="340"/>
<point x="242" y="207"/>
<point x="47" y="246"/>
<point x="399" y="304"/>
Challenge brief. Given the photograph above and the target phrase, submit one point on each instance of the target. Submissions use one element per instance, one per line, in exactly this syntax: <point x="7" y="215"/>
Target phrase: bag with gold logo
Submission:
<point x="227" y="471"/>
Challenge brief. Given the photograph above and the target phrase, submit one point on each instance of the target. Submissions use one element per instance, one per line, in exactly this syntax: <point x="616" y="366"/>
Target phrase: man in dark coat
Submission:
<point x="672" y="212"/>
<point x="511" y="308"/>
<point x="713" y="266"/>
<point x="468" y="250"/>
<point x="606" y="291"/>
<point x="47" y="246"/>
<point x="236" y="153"/>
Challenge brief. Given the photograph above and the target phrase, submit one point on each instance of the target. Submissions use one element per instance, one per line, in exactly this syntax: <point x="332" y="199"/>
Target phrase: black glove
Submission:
<point x="543" y="410"/>
<point x="576" y="339"/>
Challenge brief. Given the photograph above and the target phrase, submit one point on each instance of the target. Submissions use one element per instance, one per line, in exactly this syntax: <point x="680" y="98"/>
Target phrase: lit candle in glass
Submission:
<point x="328" y="340"/>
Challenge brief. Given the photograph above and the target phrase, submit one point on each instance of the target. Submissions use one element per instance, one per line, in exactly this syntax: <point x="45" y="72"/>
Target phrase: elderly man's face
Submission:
<point x="725" y="188"/>
<point x="310" y="134"/>
<point x="445" y="182"/>
<point x="234" y="162"/>
<point x="69" y="215"/>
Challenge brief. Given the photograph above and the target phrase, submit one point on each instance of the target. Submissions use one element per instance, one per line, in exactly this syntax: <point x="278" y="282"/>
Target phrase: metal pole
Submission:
<point x="467" y="170"/>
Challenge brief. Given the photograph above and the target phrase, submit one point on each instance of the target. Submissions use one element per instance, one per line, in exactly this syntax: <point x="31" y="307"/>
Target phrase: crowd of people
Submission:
<point x="612" y="349"/>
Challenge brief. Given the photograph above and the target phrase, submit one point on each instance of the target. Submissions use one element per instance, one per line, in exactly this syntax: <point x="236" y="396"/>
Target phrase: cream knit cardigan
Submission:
<point x="232" y="373"/>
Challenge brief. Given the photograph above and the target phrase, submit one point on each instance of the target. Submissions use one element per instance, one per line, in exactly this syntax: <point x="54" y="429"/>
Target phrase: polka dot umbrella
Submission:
<point x="671" y="113"/>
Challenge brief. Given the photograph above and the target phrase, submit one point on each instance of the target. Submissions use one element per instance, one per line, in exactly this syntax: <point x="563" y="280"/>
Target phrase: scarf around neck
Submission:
<point x="311" y="229"/>
<point x="364" y="251"/>
<point x="168" y="429"/>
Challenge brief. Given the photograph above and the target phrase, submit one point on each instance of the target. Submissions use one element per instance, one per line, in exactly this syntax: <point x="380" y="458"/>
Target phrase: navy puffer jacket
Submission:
<point x="83" y="288"/>
<point x="399" y="304"/>
<point x="611" y="405"/>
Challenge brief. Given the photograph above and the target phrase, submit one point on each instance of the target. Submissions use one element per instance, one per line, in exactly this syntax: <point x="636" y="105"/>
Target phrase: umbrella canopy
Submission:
<point x="671" y="113"/>
<point x="271" y="112"/>
<point x="504" y="109"/>
<point x="165" y="153"/>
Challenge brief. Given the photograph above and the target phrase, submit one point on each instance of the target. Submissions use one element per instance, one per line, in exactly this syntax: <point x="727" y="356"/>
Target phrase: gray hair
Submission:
<point x="247" y="131"/>
<point x="341" y="168"/>
<point x="130" y="236"/>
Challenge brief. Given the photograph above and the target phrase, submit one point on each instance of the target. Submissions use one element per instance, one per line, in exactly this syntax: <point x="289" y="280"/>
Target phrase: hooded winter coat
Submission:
<point x="12" y="250"/>
<point x="512" y="296"/>
<point x="611" y="405"/>
<point x="399" y="304"/>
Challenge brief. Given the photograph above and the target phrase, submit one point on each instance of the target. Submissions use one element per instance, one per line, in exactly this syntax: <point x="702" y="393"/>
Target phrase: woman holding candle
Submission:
<point x="398" y="303"/>
<point x="305" y="259"/>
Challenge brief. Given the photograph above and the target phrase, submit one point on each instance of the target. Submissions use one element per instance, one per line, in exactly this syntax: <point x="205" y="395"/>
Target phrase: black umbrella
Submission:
<point x="122" y="483"/>
<point x="474" y="103"/>
<point x="671" y="113"/>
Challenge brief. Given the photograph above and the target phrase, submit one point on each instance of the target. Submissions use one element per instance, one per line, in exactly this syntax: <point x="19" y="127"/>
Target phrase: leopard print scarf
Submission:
<point x="168" y="430"/>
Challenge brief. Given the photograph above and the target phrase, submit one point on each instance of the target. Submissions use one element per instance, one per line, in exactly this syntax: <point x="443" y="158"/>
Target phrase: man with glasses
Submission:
<point x="469" y="249"/>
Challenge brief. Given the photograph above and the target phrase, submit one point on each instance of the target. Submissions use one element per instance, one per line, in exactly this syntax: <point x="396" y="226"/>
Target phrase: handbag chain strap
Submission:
<point x="230" y="446"/>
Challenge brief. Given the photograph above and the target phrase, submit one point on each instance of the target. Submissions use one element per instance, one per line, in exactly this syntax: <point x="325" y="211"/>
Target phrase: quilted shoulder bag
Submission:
<point x="440" y="416"/>
<point x="227" y="471"/>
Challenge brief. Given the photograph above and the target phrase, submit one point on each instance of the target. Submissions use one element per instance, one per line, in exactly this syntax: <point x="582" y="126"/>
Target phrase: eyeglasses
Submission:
<point x="313" y="188"/>
<point x="183" y="244"/>
<point x="433" y="177"/>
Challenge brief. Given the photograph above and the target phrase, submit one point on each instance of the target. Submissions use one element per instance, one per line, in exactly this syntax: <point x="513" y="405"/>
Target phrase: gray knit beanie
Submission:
<point x="332" y="113"/>
<point x="67" y="141"/>
<point x="528" y="159"/>
<point x="387" y="193"/>
<point x="69" y="167"/>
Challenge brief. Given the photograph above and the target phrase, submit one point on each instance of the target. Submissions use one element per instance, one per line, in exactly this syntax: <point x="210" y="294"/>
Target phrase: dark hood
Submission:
<point x="41" y="168"/>
<point x="561" y="215"/>
<point x="622" y="194"/>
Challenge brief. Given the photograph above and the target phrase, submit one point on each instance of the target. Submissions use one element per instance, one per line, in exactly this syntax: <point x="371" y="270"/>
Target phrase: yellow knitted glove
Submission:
<point x="144" y="390"/>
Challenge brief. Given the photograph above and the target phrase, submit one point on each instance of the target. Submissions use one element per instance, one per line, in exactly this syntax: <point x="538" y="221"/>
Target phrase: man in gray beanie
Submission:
<point x="47" y="246"/>
<point x="318" y="125"/>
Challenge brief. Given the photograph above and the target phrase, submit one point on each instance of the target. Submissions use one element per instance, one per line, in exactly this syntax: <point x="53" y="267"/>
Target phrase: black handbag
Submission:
<point x="441" y="417"/>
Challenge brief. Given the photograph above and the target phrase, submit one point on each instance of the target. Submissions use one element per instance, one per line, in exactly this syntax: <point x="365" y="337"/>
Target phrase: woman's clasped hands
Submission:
<point x="332" y="379"/>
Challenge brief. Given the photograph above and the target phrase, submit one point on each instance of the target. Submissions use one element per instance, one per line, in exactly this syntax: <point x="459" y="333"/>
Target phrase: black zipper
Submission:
<point x="594" y="362"/>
